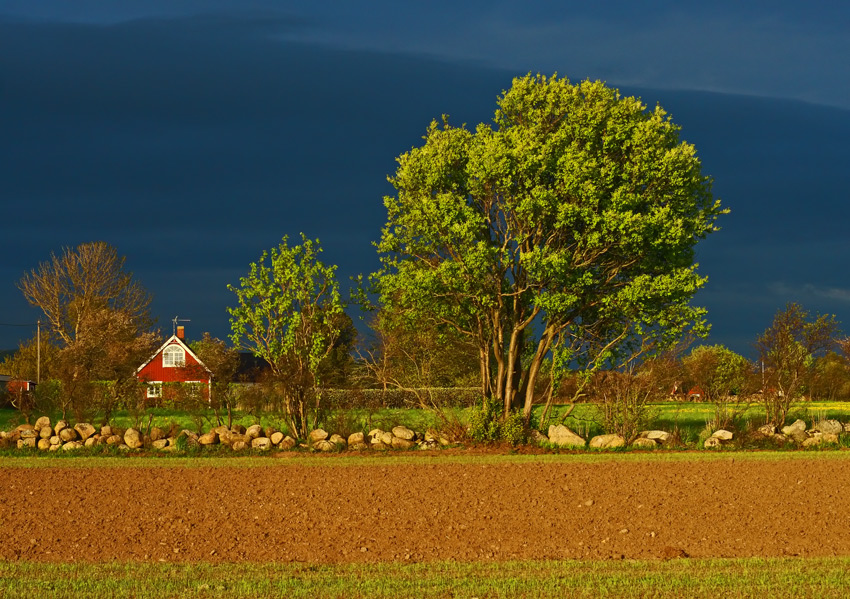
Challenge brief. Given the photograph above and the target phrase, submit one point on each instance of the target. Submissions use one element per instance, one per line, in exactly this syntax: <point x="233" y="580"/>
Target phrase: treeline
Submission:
<point x="545" y="257"/>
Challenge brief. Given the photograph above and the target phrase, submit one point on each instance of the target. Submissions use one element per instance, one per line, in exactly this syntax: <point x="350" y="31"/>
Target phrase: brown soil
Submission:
<point x="432" y="511"/>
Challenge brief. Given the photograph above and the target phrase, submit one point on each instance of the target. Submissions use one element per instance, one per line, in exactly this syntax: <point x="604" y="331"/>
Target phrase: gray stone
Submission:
<point x="644" y="443"/>
<point x="402" y="432"/>
<point x="209" y="438"/>
<point x="356" y="438"/>
<point x="399" y="443"/>
<point x="798" y="426"/>
<point x="768" y="430"/>
<point x="255" y="431"/>
<point x="133" y="438"/>
<point x="159" y="443"/>
<point x="323" y="445"/>
<point x="830" y="426"/>
<point x="71" y="445"/>
<point x="42" y="422"/>
<point x="157" y="434"/>
<point x="261" y="443"/>
<point x="68" y="434"/>
<point x="44" y="444"/>
<point x="85" y="430"/>
<point x="317" y="435"/>
<point x="660" y="436"/>
<point x="607" y="441"/>
<point x="723" y="435"/>
<point x="562" y="436"/>
<point x="287" y="443"/>
<point x="59" y="426"/>
<point x="338" y="440"/>
<point x="276" y="437"/>
<point x="712" y="442"/>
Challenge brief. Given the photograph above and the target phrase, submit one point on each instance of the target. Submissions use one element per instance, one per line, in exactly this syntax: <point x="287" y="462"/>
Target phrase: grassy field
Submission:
<point x="755" y="577"/>
<point x="688" y="418"/>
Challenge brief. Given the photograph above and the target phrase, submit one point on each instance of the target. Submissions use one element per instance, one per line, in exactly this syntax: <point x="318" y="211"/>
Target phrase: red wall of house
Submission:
<point x="155" y="371"/>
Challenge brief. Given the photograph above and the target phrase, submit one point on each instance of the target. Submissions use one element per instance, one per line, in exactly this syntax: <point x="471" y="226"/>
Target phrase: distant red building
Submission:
<point x="173" y="362"/>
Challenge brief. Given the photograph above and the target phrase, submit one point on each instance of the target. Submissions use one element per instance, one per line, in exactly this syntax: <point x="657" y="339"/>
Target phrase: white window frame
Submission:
<point x="154" y="390"/>
<point x="170" y="359"/>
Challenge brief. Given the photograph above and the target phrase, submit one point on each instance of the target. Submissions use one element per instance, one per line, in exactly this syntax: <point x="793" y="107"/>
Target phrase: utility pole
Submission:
<point x="38" y="351"/>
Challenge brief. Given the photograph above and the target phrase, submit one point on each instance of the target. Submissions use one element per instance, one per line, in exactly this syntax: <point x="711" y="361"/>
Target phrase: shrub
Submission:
<point x="486" y="425"/>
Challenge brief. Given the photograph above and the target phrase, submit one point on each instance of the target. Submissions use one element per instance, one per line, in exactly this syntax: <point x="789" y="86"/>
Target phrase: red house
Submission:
<point x="173" y="362"/>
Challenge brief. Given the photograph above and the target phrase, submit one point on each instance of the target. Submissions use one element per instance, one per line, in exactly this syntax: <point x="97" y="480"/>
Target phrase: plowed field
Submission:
<point x="430" y="511"/>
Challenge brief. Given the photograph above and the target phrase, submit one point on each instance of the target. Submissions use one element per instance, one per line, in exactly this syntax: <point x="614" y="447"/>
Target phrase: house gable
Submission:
<point x="162" y="366"/>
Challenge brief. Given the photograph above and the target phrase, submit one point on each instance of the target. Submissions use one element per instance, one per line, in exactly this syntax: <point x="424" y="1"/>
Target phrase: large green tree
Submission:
<point x="565" y="228"/>
<point x="289" y="313"/>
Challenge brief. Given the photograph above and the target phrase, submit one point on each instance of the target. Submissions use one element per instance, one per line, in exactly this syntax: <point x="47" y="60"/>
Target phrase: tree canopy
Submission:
<point x="565" y="229"/>
<point x="289" y="313"/>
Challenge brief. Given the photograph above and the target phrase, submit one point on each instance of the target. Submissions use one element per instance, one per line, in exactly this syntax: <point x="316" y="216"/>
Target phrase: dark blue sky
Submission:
<point x="193" y="135"/>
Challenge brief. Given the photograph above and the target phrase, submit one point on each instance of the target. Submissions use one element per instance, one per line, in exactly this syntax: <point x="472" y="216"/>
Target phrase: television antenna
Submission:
<point x="174" y="322"/>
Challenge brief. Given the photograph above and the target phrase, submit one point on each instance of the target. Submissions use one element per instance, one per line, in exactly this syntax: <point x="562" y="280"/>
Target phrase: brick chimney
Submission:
<point x="181" y="332"/>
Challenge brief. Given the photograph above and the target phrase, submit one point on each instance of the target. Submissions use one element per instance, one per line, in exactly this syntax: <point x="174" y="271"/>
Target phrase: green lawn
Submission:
<point x="710" y="578"/>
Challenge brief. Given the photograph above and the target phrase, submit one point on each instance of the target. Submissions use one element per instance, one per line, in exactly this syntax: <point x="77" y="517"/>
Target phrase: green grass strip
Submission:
<point x="753" y="577"/>
<point x="398" y="458"/>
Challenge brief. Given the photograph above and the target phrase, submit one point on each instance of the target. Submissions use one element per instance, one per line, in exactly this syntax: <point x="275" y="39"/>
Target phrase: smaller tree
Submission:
<point x="722" y="375"/>
<point x="787" y="350"/>
<point x="289" y="313"/>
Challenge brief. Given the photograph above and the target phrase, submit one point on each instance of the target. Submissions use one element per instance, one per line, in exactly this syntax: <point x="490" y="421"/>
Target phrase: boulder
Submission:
<point x="71" y="445"/>
<point x="55" y="440"/>
<point x="712" y="442"/>
<point x="238" y="429"/>
<point x="133" y="438"/>
<point x="399" y="443"/>
<point x="43" y="444"/>
<point x="830" y="426"/>
<point x="157" y="434"/>
<point x="644" y="443"/>
<point x="356" y="438"/>
<point x="798" y="426"/>
<point x="322" y="445"/>
<point x="91" y="441"/>
<point x="29" y="433"/>
<point x="822" y="439"/>
<point x="723" y="435"/>
<point x="45" y="432"/>
<point x="84" y="430"/>
<point x="607" y="441"/>
<point x="276" y="437"/>
<point x="358" y="446"/>
<point x="210" y="438"/>
<point x="535" y="437"/>
<point x="68" y="434"/>
<point x="317" y="435"/>
<point x="387" y="438"/>
<point x="59" y="426"/>
<point x="402" y="432"/>
<point x="114" y="440"/>
<point x="338" y="440"/>
<point x="768" y="430"/>
<point x="562" y="436"/>
<point x="28" y="442"/>
<point x="255" y="431"/>
<point x="659" y="436"/>
<point x="106" y="431"/>
<point x="261" y="443"/>
<point x="239" y="445"/>
<point x="41" y="423"/>
<point x="159" y="443"/>
<point x="374" y="432"/>
<point x="287" y="443"/>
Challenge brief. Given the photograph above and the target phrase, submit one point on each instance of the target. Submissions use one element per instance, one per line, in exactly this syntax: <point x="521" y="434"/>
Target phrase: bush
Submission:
<point x="486" y="425"/>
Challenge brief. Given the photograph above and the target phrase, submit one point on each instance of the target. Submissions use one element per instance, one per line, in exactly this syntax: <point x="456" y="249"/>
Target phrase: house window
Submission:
<point x="154" y="390"/>
<point x="173" y="356"/>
